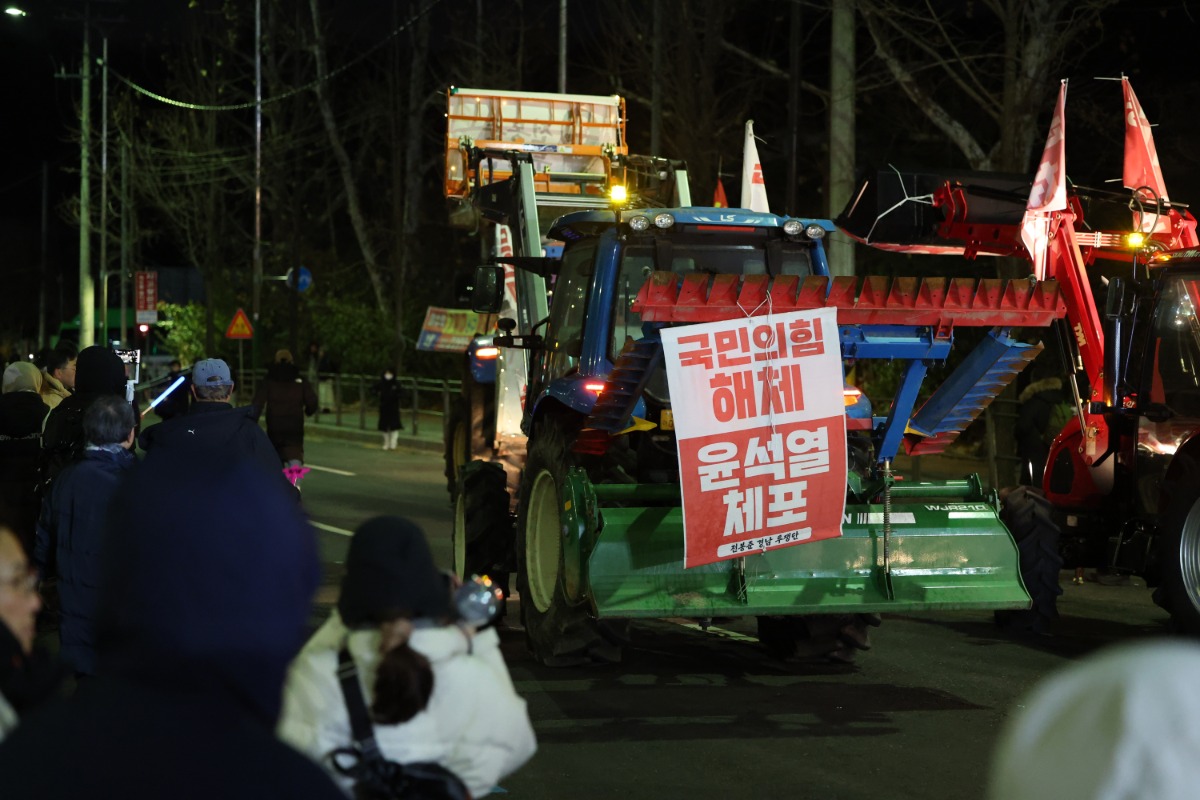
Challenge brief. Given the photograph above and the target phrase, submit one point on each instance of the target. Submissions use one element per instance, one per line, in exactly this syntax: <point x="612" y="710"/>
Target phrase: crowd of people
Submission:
<point x="183" y="584"/>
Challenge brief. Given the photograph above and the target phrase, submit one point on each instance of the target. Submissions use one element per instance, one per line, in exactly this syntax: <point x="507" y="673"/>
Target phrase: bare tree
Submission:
<point x="983" y="71"/>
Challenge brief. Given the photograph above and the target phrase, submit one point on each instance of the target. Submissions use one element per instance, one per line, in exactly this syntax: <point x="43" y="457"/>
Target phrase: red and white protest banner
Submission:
<point x="146" y="297"/>
<point x="761" y="430"/>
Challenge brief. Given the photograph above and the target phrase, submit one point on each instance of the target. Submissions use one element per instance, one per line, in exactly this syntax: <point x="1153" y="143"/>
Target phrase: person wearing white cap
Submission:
<point x="1119" y="725"/>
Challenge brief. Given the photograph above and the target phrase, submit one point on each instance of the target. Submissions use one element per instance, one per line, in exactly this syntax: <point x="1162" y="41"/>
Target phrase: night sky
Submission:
<point x="1151" y="41"/>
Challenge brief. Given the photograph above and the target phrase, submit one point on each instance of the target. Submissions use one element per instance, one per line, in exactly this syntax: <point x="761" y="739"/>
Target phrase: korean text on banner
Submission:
<point x="447" y="330"/>
<point x="761" y="430"/>
<point x="146" y="297"/>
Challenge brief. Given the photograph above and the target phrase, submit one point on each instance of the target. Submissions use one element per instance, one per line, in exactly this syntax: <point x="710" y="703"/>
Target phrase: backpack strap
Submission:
<point x="361" y="729"/>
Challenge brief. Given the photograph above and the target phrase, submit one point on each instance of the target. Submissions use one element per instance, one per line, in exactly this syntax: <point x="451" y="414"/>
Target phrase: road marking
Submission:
<point x="331" y="469"/>
<point x="339" y="531"/>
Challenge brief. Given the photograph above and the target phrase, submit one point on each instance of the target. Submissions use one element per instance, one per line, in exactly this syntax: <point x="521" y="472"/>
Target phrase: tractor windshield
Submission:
<point x="717" y="254"/>
<point x="1173" y="365"/>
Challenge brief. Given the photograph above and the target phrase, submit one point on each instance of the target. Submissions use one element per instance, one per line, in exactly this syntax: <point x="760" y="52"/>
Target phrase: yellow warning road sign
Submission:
<point x="240" y="327"/>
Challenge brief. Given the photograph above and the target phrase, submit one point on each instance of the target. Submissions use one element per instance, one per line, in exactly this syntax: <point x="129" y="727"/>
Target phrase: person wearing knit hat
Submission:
<point x="1121" y="724"/>
<point x="287" y="399"/>
<point x="437" y="690"/>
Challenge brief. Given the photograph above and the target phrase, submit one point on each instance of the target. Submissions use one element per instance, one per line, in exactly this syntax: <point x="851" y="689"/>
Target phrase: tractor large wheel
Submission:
<point x="560" y="631"/>
<point x="1179" y="552"/>
<point x="1027" y="514"/>
<point x="463" y="433"/>
<point x="482" y="537"/>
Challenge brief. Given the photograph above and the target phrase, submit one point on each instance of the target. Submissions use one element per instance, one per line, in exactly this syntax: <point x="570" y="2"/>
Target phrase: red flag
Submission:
<point x="719" y="199"/>
<point x="1142" y="172"/>
<point x="1049" y="191"/>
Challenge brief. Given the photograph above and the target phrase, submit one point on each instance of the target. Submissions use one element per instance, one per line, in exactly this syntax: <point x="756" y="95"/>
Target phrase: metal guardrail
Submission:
<point x="346" y="395"/>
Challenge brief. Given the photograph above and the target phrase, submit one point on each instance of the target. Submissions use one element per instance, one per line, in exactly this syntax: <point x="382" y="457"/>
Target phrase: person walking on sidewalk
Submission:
<point x="287" y="399"/>
<point x="389" y="409"/>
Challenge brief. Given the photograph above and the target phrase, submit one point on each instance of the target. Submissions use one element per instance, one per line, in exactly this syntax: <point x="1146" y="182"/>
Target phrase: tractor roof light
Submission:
<point x="663" y="220"/>
<point x="639" y="223"/>
<point x="617" y="193"/>
<point x="793" y="227"/>
<point x="814" y="231"/>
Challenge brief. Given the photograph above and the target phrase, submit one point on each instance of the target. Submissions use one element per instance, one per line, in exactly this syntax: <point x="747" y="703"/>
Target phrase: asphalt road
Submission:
<point x="690" y="714"/>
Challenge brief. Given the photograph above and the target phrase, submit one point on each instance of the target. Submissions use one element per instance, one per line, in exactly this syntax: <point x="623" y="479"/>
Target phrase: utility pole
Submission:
<point x="793" y="179"/>
<point x="87" y="290"/>
<point x="258" y="265"/>
<point x="102" y="322"/>
<point x="841" y="129"/>
<point x="125" y="243"/>
<point x="562" y="46"/>
<point x="656" y="91"/>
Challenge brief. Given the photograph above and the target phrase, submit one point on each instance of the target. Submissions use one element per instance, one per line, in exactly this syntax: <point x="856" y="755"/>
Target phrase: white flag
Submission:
<point x="754" y="191"/>
<point x="1142" y="172"/>
<point x="1049" y="191"/>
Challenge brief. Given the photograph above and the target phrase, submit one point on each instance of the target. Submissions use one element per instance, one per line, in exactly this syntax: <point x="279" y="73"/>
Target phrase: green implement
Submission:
<point x="939" y="546"/>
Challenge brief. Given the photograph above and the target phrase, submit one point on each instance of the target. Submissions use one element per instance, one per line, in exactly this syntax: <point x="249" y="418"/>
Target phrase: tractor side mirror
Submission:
<point x="487" y="294"/>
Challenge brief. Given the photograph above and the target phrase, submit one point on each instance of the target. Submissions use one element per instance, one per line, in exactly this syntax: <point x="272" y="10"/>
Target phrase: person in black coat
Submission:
<point x="22" y="412"/>
<point x="389" y="409"/>
<point x="197" y="625"/>
<point x="213" y="424"/>
<point x="99" y="372"/>
<point x="70" y="533"/>
<point x="287" y="399"/>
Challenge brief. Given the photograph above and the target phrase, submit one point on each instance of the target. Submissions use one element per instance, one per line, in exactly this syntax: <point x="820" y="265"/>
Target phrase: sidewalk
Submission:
<point x="363" y="427"/>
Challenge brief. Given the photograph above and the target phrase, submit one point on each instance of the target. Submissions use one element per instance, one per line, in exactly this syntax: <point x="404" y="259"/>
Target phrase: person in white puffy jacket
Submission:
<point x="436" y="691"/>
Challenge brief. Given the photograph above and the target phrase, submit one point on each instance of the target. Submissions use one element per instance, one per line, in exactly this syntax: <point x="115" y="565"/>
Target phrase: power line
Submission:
<point x="291" y="93"/>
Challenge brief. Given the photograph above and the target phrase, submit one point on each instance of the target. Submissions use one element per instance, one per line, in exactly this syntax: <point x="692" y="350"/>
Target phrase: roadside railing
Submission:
<point x="352" y="400"/>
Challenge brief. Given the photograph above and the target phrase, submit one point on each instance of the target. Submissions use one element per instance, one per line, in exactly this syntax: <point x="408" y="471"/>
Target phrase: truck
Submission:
<point x="1121" y="489"/>
<point x="514" y="162"/>
<point x="598" y="534"/>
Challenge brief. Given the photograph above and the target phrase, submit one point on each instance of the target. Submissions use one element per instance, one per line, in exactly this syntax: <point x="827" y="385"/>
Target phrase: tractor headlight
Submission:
<point x="663" y="220"/>
<point x="639" y="223"/>
<point x="793" y="227"/>
<point x="814" y="232"/>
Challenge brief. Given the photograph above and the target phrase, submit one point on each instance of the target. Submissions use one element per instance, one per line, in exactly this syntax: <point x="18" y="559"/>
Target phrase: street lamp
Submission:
<point x="13" y="11"/>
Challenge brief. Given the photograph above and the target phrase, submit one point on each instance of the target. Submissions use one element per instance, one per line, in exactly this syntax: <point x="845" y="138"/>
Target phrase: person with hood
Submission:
<point x="28" y="677"/>
<point x="437" y="691"/>
<point x="22" y="414"/>
<point x="212" y="424"/>
<point x="195" y="629"/>
<point x="58" y="376"/>
<point x="389" y="409"/>
<point x="99" y="372"/>
<point x="70" y="533"/>
<point x="287" y="399"/>
<point x="1122" y="723"/>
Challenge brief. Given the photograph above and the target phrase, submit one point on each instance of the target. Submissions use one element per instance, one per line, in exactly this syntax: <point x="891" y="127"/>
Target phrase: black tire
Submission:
<point x="482" y="536"/>
<point x="1179" y="552"/>
<point x="1027" y="515"/>
<point x="464" y="436"/>
<point x="558" y="630"/>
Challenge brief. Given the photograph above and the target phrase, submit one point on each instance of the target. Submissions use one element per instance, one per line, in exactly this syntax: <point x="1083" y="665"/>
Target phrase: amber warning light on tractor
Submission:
<point x="487" y="353"/>
<point x="594" y="387"/>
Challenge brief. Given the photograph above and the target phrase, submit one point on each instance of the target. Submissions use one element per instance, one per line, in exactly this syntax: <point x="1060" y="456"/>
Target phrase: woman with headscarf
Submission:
<point x="437" y="691"/>
<point x="22" y="412"/>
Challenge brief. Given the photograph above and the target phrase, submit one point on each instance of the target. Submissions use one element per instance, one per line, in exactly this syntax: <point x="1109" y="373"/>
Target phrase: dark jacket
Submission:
<point x="196" y="628"/>
<point x="389" y="404"/>
<point x="287" y="399"/>
<point x="27" y="680"/>
<point x="213" y="428"/>
<point x="98" y="372"/>
<point x="70" y="540"/>
<point x="21" y="417"/>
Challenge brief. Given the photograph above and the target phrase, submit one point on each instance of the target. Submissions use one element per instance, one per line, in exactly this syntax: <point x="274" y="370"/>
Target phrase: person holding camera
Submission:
<point x="439" y="695"/>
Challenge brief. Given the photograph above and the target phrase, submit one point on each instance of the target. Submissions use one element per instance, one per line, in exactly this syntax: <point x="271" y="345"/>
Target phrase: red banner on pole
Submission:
<point x="146" y="297"/>
<point x="761" y="430"/>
